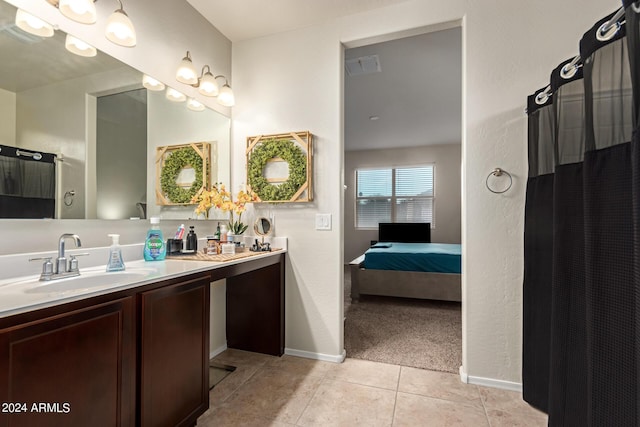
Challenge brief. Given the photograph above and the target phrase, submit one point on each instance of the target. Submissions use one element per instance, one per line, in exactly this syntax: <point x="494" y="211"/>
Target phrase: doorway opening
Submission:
<point x="403" y="135"/>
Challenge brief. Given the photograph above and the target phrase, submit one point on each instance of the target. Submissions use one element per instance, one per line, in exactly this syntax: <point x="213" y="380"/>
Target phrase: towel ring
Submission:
<point x="499" y="172"/>
<point x="68" y="197"/>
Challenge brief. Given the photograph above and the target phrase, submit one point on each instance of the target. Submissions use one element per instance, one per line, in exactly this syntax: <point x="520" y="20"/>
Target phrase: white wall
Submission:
<point x="446" y="159"/>
<point x="293" y="81"/>
<point x="7" y="118"/>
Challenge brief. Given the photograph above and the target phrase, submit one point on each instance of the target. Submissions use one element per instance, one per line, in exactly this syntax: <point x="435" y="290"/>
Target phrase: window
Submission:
<point x="394" y="195"/>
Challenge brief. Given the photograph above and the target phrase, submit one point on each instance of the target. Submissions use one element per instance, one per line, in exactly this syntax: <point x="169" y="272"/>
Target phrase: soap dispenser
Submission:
<point x="192" y="240"/>
<point x="115" y="262"/>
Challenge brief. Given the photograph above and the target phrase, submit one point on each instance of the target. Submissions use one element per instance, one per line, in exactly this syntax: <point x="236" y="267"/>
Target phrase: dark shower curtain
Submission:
<point x="27" y="183"/>
<point x="580" y="300"/>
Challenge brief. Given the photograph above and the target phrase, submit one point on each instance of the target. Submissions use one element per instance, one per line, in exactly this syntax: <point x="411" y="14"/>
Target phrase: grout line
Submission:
<point x="486" y="414"/>
<point x="322" y="380"/>
<point x="395" y="400"/>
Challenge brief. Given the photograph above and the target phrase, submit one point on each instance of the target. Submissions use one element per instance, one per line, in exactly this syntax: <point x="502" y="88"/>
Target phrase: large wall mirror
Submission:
<point x="94" y="115"/>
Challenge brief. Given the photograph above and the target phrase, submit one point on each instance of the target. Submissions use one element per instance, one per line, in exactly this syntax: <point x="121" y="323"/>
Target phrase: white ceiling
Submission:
<point x="417" y="96"/>
<point x="247" y="19"/>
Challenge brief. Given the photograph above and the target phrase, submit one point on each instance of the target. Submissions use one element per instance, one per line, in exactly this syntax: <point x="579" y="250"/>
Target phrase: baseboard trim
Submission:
<point x="217" y="351"/>
<point x="489" y="382"/>
<point x="316" y="356"/>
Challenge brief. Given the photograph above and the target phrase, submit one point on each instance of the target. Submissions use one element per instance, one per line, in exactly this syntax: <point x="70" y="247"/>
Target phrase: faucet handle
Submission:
<point x="47" y="266"/>
<point x="73" y="262"/>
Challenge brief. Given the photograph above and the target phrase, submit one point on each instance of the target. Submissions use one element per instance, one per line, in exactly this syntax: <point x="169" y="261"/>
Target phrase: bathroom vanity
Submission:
<point x="136" y="354"/>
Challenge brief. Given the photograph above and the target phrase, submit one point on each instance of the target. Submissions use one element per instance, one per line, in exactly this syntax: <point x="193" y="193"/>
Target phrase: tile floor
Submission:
<point x="290" y="391"/>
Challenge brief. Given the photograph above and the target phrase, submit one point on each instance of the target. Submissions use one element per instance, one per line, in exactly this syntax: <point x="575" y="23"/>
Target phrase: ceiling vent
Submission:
<point x="363" y="65"/>
<point x="12" y="30"/>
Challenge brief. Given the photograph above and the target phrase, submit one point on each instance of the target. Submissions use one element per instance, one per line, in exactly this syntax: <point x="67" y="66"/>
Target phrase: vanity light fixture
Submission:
<point x="120" y="28"/>
<point x="174" y="95"/>
<point x="207" y="84"/>
<point x="152" y="84"/>
<point x="82" y="11"/>
<point x="33" y="25"/>
<point x="77" y="46"/>
<point x="226" y="97"/>
<point x="187" y="73"/>
<point x="195" y="105"/>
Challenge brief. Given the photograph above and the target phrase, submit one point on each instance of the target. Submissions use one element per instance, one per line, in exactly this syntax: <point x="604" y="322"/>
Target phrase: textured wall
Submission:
<point x="293" y="81"/>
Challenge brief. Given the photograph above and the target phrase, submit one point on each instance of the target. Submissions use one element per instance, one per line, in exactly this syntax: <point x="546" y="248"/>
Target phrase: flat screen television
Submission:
<point x="404" y="232"/>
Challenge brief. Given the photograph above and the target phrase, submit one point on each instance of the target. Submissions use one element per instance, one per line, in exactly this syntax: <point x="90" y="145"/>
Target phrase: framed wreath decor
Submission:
<point x="294" y="149"/>
<point x="171" y="161"/>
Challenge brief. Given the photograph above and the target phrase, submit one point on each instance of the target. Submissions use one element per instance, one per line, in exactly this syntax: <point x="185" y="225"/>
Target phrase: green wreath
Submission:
<point x="174" y="163"/>
<point x="290" y="153"/>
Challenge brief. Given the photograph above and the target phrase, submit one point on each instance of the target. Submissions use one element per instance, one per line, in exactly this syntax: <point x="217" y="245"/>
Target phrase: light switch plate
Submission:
<point x="323" y="221"/>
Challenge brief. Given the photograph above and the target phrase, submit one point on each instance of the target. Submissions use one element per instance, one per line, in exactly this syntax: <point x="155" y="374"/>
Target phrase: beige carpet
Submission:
<point x="417" y="333"/>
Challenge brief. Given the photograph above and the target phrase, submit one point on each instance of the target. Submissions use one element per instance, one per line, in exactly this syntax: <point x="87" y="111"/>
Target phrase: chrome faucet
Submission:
<point x="62" y="267"/>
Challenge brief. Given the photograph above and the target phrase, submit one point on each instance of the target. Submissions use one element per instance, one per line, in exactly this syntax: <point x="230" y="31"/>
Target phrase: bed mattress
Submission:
<point x="426" y="257"/>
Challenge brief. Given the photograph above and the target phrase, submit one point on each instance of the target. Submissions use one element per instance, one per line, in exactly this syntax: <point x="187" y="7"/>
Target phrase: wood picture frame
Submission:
<point x="163" y="157"/>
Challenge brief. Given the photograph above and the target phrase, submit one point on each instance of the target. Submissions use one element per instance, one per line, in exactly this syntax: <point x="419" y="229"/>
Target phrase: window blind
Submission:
<point x="394" y="195"/>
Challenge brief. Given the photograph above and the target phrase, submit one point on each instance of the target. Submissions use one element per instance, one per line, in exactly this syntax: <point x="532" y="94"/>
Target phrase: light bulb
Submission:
<point x="120" y="29"/>
<point x="195" y="105"/>
<point x="187" y="73"/>
<point x="83" y="11"/>
<point x="33" y="25"/>
<point x="77" y="46"/>
<point x="226" y="97"/>
<point x="208" y="85"/>
<point x="175" y="96"/>
<point x="151" y="83"/>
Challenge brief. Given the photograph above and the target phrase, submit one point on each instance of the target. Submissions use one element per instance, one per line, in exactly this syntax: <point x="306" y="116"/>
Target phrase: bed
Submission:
<point x="404" y="263"/>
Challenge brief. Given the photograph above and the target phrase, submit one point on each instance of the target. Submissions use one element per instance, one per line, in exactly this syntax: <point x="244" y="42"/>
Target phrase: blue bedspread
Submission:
<point x="428" y="257"/>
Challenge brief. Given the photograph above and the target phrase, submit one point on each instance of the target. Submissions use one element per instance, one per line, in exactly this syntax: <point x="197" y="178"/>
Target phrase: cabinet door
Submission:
<point x="174" y="353"/>
<point x="71" y="369"/>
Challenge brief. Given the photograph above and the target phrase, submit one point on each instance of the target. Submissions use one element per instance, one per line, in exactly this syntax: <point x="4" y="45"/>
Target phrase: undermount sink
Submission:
<point x="88" y="280"/>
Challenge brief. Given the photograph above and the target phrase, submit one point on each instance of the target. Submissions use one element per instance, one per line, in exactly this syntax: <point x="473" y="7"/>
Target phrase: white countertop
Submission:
<point x="26" y="293"/>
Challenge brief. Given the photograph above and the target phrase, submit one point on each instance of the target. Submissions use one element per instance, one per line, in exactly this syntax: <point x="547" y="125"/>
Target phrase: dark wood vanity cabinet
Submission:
<point x="174" y="353"/>
<point x="74" y="367"/>
<point x="137" y="357"/>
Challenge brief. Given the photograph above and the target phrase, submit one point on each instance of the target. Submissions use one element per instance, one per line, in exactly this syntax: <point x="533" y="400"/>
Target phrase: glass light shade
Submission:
<point x="83" y="11"/>
<point x="208" y="85"/>
<point x="120" y="29"/>
<point x="187" y="73"/>
<point x="174" y="95"/>
<point x="33" y="25"/>
<point x="195" y="105"/>
<point x="79" y="47"/>
<point x="226" y="97"/>
<point x="152" y="84"/>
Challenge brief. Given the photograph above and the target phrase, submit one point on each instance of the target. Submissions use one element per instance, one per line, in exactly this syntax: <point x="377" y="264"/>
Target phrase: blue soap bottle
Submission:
<point x="154" y="246"/>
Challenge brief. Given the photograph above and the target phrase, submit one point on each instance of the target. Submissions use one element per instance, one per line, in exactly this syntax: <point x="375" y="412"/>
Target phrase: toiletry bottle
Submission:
<point x="216" y="236"/>
<point x="223" y="233"/>
<point x="115" y="262"/>
<point x="192" y="240"/>
<point x="154" y="246"/>
<point x="180" y="233"/>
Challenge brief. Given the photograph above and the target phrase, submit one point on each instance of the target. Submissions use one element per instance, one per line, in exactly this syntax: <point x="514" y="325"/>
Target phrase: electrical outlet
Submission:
<point x="323" y="221"/>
